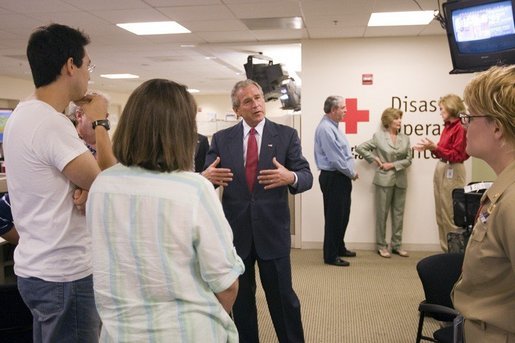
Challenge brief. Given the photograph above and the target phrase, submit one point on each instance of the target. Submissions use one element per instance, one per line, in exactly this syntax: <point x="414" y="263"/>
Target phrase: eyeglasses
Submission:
<point x="91" y="67"/>
<point x="466" y="118"/>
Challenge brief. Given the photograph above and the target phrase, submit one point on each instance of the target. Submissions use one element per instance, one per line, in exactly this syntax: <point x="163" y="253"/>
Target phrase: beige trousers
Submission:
<point x="479" y="332"/>
<point x="389" y="199"/>
<point x="447" y="177"/>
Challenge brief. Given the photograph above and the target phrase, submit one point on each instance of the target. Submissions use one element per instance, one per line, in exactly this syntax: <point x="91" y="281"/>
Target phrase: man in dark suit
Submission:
<point x="200" y="152"/>
<point x="256" y="206"/>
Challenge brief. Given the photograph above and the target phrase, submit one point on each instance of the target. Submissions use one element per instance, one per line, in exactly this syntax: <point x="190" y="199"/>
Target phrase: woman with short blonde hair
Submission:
<point x="485" y="292"/>
<point x="449" y="171"/>
<point x="390" y="150"/>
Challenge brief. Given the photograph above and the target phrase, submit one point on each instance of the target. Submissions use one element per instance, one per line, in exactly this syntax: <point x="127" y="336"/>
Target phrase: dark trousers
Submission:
<point x="283" y="303"/>
<point x="336" y="190"/>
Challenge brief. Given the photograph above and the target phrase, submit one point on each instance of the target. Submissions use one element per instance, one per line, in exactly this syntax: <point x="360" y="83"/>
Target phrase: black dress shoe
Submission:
<point x="349" y="253"/>
<point x="339" y="262"/>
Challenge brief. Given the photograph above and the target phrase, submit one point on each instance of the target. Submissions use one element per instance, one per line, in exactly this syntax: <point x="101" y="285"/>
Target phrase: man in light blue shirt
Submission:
<point x="336" y="164"/>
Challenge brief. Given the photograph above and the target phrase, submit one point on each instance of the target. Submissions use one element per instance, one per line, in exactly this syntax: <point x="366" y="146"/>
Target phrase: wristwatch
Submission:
<point x="102" y="122"/>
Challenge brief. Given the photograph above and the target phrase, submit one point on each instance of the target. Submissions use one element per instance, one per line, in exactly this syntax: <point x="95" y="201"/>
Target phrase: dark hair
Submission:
<point x="157" y="129"/>
<point x="331" y="102"/>
<point x="50" y="47"/>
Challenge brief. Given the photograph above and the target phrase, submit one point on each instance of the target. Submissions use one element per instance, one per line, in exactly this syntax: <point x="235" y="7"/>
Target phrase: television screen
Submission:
<point x="481" y="33"/>
<point x="4" y="115"/>
<point x="484" y="28"/>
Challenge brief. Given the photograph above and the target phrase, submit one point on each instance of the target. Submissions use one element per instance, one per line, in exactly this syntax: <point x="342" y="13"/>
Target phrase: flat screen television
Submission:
<point x="4" y="115"/>
<point x="481" y="33"/>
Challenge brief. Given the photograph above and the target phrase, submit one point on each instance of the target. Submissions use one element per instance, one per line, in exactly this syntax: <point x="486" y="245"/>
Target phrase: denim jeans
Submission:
<point x="62" y="311"/>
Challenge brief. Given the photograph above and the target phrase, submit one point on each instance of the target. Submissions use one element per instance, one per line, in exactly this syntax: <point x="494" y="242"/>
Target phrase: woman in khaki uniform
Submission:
<point x="485" y="292"/>
<point x="449" y="171"/>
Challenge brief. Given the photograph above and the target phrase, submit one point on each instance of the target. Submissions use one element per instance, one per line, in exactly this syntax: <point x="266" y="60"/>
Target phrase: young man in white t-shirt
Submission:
<point x="49" y="170"/>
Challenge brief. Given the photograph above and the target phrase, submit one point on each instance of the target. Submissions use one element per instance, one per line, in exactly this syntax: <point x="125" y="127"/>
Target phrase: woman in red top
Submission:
<point x="450" y="171"/>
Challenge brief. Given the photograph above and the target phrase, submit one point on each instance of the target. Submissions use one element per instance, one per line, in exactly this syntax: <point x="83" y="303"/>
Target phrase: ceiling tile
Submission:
<point x="214" y="25"/>
<point x="132" y="15"/>
<point x="260" y="10"/>
<point x="159" y="3"/>
<point x="103" y="5"/>
<point x="271" y="35"/>
<point x="30" y="6"/>
<point x="332" y="8"/>
<point x="232" y="36"/>
<point x="185" y="13"/>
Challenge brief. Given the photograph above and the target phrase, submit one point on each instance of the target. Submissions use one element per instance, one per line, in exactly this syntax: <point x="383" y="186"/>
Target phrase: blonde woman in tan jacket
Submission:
<point x="391" y="151"/>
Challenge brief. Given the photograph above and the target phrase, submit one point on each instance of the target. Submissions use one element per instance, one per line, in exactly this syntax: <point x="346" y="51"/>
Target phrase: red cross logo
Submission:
<point x="354" y="116"/>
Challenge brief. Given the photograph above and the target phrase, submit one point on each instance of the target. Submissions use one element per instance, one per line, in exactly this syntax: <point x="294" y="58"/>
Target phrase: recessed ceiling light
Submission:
<point x="120" y="76"/>
<point x="401" y="18"/>
<point x="193" y="90"/>
<point x="188" y="45"/>
<point x="154" y="28"/>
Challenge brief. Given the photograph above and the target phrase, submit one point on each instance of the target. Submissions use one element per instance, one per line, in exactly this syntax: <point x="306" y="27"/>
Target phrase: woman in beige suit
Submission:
<point x="391" y="151"/>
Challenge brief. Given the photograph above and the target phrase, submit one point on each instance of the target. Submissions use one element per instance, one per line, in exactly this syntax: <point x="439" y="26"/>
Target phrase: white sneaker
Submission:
<point x="383" y="252"/>
<point x="401" y="252"/>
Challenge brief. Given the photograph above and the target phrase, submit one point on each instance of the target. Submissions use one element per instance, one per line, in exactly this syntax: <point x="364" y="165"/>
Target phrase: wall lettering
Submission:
<point x="406" y="105"/>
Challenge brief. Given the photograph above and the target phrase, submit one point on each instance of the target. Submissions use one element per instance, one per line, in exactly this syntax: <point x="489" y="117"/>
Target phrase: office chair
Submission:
<point x="15" y="317"/>
<point x="453" y="333"/>
<point x="465" y="204"/>
<point x="438" y="274"/>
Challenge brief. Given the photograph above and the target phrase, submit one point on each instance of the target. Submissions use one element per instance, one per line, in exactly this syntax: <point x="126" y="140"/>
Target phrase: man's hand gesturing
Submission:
<point x="218" y="176"/>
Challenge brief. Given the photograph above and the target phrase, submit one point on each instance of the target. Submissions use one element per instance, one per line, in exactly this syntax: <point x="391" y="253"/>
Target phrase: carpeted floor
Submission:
<point x="373" y="300"/>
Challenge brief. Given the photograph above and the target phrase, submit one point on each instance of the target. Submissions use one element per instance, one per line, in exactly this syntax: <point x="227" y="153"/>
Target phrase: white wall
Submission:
<point x="15" y="89"/>
<point x="12" y="90"/>
<point x="413" y="69"/>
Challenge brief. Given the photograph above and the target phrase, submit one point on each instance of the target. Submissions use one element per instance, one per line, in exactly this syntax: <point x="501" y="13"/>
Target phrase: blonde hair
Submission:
<point x="452" y="104"/>
<point x="492" y="93"/>
<point x="389" y="115"/>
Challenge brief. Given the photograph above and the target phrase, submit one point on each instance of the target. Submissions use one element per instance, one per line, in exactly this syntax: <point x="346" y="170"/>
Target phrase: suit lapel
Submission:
<point x="236" y="152"/>
<point x="268" y="146"/>
<point x="389" y="139"/>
